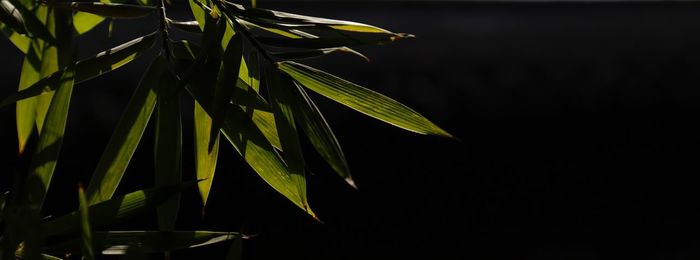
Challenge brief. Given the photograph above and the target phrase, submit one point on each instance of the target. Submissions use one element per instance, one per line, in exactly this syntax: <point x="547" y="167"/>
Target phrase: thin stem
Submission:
<point x="164" y="28"/>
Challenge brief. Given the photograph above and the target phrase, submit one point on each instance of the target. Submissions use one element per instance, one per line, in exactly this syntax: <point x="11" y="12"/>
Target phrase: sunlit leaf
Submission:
<point x="84" y="22"/>
<point x="361" y="99"/>
<point x="247" y="139"/>
<point x="126" y="137"/>
<point x="168" y="146"/>
<point x="33" y="26"/>
<point x="88" y="68"/>
<point x="319" y="133"/>
<point x="114" y="10"/>
<point x="205" y="155"/>
<point x="19" y="40"/>
<point x="43" y="162"/>
<point x="86" y="232"/>
<point x="112" y="211"/>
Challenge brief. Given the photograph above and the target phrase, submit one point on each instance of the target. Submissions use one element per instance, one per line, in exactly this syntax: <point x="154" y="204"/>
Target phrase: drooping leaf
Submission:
<point x="226" y="82"/>
<point x="319" y="133"/>
<point x="205" y="155"/>
<point x="282" y="104"/>
<point x="265" y="122"/>
<point x="186" y="26"/>
<point x="112" y="211"/>
<point x="308" y="54"/>
<point x="86" y="232"/>
<point x="25" y="110"/>
<point x="250" y="143"/>
<point x="361" y="99"/>
<point x="168" y="147"/>
<point x="46" y="154"/>
<point x="88" y="68"/>
<point x="116" y="242"/>
<point x="126" y="137"/>
<point x="114" y="10"/>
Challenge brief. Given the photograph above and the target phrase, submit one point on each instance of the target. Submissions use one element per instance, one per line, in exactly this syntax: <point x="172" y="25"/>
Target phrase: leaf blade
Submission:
<point x="168" y="147"/>
<point x="361" y="99"/>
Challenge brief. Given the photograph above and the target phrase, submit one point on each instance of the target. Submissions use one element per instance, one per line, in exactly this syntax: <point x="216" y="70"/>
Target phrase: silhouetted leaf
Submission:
<point x="112" y="211"/>
<point x="168" y="146"/>
<point x="186" y="26"/>
<point x="124" y="11"/>
<point x="126" y="137"/>
<point x="307" y="54"/>
<point x="11" y="17"/>
<point x="19" y="40"/>
<point x="361" y="99"/>
<point x="116" y="242"/>
<point x="88" y="68"/>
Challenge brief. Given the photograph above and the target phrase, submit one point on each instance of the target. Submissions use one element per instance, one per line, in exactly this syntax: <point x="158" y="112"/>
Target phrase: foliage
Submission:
<point x="244" y="83"/>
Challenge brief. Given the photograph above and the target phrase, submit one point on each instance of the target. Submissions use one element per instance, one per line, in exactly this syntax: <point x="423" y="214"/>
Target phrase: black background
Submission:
<point x="578" y="128"/>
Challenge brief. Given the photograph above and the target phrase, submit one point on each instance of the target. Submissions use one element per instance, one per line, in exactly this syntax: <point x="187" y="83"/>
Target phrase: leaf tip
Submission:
<point x="351" y="182"/>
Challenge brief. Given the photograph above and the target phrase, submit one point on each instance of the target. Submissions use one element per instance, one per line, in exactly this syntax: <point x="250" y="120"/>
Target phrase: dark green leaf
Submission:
<point x="282" y="104"/>
<point x="126" y="137"/>
<point x="124" y="11"/>
<point x="186" y="26"/>
<point x="19" y="40"/>
<point x="319" y="133"/>
<point x="168" y="147"/>
<point x="10" y="16"/>
<point x="113" y="211"/>
<point x="88" y="68"/>
<point x="226" y="82"/>
<point x="361" y="99"/>
<point x="35" y="27"/>
<point x="48" y="148"/>
<point x="86" y="233"/>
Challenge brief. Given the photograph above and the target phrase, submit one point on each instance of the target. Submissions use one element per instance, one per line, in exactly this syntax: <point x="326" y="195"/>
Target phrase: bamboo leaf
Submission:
<point x="168" y="147"/>
<point x="282" y="104"/>
<point x="127" y="135"/>
<point x="205" y="155"/>
<point x="25" y="111"/>
<point x="43" y="162"/>
<point x="10" y="16"/>
<point x="250" y="143"/>
<point x="88" y="68"/>
<point x="86" y="234"/>
<point x="319" y="133"/>
<point x="361" y="99"/>
<point x="226" y="82"/>
<point x="308" y="54"/>
<point x="112" y="211"/>
<point x="186" y="26"/>
<point x="114" y="10"/>
<point x="116" y="242"/>
<point x="33" y="26"/>
<point x="19" y="40"/>
<point x="84" y="22"/>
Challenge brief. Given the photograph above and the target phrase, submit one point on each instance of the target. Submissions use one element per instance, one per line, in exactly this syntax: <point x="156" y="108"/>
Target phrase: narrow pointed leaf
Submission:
<point x="123" y="11"/>
<point x="34" y="27"/>
<point x="186" y="26"/>
<point x="88" y="68"/>
<point x="247" y="139"/>
<point x="282" y="104"/>
<point x="361" y="99"/>
<point x="112" y="211"/>
<point x="127" y="135"/>
<point x="205" y="155"/>
<point x="19" y="40"/>
<point x="25" y="110"/>
<point x="86" y="234"/>
<point x="115" y="242"/>
<point x="308" y="54"/>
<point x="44" y="160"/>
<point x="84" y="22"/>
<point x="226" y="82"/>
<point x="319" y="133"/>
<point x="168" y="147"/>
<point x="10" y="16"/>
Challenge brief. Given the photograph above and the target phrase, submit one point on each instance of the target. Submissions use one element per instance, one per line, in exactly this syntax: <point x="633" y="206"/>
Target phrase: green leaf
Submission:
<point x="123" y="11"/>
<point x="107" y="213"/>
<point x="247" y="139"/>
<point x="84" y="22"/>
<point x="116" y="242"/>
<point x="19" y="40"/>
<point x="319" y="133"/>
<point x="43" y="162"/>
<point x="205" y="155"/>
<point x="10" y="16"/>
<point x="127" y="135"/>
<point x="198" y="13"/>
<point x="88" y="68"/>
<point x="226" y="82"/>
<point x="25" y="112"/>
<point x="308" y="54"/>
<point x="361" y="99"/>
<point x="86" y="234"/>
<point x="282" y="104"/>
<point x="34" y="24"/>
<point x="168" y="147"/>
